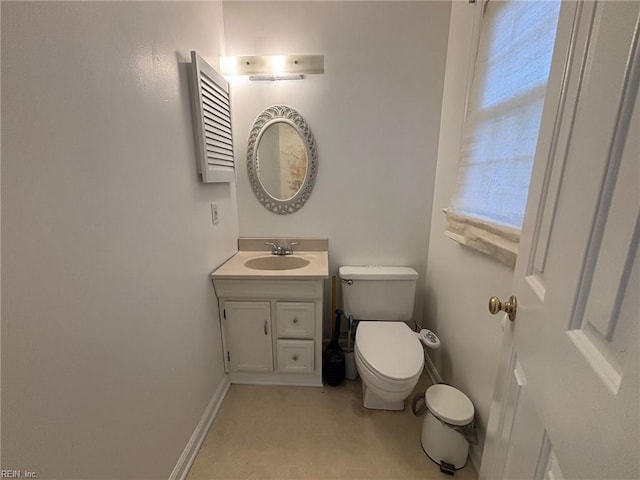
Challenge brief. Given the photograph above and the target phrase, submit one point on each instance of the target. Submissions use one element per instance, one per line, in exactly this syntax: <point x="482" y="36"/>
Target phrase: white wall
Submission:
<point x="110" y="335"/>
<point x="0" y="241"/>
<point x="375" y="115"/>
<point x="459" y="280"/>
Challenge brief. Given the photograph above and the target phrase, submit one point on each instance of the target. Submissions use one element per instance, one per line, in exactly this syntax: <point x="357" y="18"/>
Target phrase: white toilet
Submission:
<point x="389" y="357"/>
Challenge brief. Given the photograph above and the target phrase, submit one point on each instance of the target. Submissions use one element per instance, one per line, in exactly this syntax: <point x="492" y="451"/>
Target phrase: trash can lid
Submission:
<point x="449" y="404"/>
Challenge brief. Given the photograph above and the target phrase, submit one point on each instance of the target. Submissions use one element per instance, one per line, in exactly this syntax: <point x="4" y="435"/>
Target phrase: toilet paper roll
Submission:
<point x="430" y="339"/>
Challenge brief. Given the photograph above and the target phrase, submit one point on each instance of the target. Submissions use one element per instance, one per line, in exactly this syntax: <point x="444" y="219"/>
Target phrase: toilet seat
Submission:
<point x="389" y="350"/>
<point x="378" y="380"/>
<point x="389" y="359"/>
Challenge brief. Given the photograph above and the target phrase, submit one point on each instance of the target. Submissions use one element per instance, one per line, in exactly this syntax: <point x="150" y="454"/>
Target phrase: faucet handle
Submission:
<point x="289" y="248"/>
<point x="274" y="247"/>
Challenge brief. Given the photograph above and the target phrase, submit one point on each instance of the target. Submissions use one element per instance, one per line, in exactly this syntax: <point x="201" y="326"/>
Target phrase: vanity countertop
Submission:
<point x="235" y="268"/>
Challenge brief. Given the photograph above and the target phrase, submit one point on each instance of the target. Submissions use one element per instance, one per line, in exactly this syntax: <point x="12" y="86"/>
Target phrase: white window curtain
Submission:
<point x="504" y="108"/>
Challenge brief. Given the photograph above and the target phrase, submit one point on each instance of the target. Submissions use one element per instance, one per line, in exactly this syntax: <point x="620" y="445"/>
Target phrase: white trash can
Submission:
<point x="446" y="407"/>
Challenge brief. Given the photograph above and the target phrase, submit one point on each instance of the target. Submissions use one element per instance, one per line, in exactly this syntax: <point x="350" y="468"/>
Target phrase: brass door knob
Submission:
<point x="510" y="307"/>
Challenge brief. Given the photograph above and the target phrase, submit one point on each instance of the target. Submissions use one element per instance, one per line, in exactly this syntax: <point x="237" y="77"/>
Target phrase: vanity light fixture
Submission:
<point x="273" y="67"/>
<point x="273" y="78"/>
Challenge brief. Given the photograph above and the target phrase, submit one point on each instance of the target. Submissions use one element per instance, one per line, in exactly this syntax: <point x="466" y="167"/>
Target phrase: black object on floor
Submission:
<point x="333" y="366"/>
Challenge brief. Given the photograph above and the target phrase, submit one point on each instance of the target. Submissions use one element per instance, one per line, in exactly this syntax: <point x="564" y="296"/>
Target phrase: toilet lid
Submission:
<point x="390" y="348"/>
<point x="449" y="404"/>
<point x="376" y="272"/>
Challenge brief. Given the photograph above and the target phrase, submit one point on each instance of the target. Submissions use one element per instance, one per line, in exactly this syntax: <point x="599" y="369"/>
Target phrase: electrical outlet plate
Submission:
<point x="215" y="218"/>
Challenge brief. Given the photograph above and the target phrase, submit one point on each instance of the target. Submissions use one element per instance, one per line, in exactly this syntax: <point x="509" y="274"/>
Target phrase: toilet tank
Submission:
<point x="378" y="293"/>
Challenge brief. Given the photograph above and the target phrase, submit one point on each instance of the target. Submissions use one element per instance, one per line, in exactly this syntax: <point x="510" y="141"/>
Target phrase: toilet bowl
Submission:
<point x="389" y="359"/>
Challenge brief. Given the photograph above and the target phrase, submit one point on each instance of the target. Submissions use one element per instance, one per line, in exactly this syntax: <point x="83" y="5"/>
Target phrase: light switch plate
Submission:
<point x="215" y="218"/>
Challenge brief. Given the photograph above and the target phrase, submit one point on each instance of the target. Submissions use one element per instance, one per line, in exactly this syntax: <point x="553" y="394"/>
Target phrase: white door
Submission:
<point x="566" y="401"/>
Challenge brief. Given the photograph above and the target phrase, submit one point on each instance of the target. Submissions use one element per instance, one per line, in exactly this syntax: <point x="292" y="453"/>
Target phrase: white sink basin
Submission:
<point x="276" y="262"/>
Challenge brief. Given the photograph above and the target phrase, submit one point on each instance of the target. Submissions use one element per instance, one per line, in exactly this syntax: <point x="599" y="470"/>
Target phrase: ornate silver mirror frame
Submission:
<point x="287" y="115"/>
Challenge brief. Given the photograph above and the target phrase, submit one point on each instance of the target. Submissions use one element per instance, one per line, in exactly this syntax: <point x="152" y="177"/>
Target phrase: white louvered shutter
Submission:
<point x="212" y="122"/>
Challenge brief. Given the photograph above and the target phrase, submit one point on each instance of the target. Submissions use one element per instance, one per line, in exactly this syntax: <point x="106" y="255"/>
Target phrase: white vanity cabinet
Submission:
<point x="271" y="330"/>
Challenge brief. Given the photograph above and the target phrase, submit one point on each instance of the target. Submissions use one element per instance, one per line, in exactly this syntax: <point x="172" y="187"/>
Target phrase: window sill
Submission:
<point x="496" y="241"/>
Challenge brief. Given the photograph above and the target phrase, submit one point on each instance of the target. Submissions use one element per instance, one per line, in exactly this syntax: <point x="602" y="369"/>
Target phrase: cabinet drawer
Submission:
<point x="295" y="319"/>
<point x="295" y="356"/>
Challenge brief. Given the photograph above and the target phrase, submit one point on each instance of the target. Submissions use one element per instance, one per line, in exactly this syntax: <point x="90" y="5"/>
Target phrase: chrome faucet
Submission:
<point x="281" y="250"/>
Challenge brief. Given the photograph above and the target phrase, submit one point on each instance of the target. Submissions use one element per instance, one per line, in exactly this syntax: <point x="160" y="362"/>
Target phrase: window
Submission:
<point x="504" y="108"/>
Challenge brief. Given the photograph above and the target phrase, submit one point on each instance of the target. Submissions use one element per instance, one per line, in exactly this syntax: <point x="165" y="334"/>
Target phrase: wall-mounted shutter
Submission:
<point x="212" y="122"/>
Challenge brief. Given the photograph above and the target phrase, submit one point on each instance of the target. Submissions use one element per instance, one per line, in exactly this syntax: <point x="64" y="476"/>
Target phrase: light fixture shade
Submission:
<point x="274" y="66"/>
<point x="273" y="78"/>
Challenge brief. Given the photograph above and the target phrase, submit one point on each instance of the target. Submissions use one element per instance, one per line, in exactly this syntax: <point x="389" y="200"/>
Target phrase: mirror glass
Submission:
<point x="282" y="159"/>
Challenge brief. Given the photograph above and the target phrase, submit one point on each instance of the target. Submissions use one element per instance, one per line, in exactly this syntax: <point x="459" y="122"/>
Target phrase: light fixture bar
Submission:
<point x="274" y="65"/>
<point x="273" y="78"/>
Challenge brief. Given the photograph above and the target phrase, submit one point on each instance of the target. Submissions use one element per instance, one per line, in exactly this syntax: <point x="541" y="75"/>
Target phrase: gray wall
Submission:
<point x="110" y="335"/>
<point x="375" y="115"/>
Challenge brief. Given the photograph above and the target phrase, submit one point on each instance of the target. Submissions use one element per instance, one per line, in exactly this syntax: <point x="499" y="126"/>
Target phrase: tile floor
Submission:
<point x="269" y="432"/>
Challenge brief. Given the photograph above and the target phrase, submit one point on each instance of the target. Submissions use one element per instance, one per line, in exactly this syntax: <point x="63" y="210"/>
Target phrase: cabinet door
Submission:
<point x="247" y="335"/>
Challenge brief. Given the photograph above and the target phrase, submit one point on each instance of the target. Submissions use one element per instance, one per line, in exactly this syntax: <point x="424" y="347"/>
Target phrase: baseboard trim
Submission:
<point x="274" y="378"/>
<point x="190" y="451"/>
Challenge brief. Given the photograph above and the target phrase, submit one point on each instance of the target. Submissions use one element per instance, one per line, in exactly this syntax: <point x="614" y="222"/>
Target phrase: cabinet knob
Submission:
<point x="295" y="357"/>
<point x="295" y="320"/>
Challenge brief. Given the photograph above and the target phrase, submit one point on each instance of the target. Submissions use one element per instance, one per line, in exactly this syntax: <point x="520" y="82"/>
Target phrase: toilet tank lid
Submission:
<point x="377" y="272"/>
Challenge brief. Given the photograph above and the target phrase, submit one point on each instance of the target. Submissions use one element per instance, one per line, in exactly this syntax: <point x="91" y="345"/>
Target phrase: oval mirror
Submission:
<point x="281" y="159"/>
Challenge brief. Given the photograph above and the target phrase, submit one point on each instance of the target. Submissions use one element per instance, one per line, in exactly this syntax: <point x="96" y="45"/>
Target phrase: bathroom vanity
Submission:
<point x="271" y="312"/>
